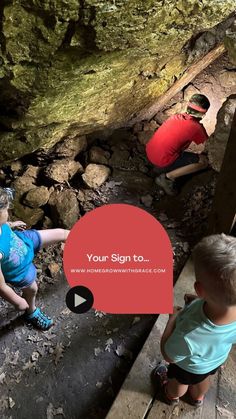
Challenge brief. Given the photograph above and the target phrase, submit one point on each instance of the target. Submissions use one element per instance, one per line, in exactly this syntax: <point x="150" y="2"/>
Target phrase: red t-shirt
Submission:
<point x="173" y="137"/>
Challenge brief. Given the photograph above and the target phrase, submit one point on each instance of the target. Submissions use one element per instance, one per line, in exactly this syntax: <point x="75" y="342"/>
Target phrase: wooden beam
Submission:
<point x="222" y="217"/>
<point x="149" y="111"/>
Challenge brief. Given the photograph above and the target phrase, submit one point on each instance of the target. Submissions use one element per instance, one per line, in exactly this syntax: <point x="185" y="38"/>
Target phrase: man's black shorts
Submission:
<point x="185" y="377"/>
<point x="184" y="159"/>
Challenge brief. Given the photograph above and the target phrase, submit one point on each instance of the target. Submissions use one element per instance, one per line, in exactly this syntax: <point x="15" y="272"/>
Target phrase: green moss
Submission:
<point x="79" y="65"/>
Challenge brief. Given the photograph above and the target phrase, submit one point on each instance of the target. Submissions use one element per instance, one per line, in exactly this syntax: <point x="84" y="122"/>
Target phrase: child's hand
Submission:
<point x="20" y="225"/>
<point x="22" y="305"/>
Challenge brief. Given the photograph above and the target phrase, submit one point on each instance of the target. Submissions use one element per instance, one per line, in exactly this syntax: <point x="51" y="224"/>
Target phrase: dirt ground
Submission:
<point x="75" y="369"/>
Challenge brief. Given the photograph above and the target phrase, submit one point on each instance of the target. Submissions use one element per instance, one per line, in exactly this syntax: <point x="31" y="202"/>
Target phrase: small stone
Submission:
<point x="177" y="108"/>
<point x="11" y="403"/>
<point x="64" y="208"/>
<point x="47" y="222"/>
<point x="71" y="147"/>
<point x="31" y="171"/>
<point x="150" y="126"/>
<point x="16" y="166"/>
<point x="137" y="127"/>
<point x="119" y="157"/>
<point x="144" y="136"/>
<point x="37" y="197"/>
<point x="95" y="175"/>
<point x="227" y="78"/>
<point x="98" y="155"/>
<point x="81" y="196"/>
<point x="189" y="91"/>
<point x="22" y="185"/>
<point x="99" y="384"/>
<point x="53" y="268"/>
<point x="162" y="217"/>
<point x="147" y="200"/>
<point x="63" y="170"/>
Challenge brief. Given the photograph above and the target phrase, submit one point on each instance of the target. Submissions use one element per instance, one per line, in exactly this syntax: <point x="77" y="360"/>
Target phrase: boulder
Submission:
<point x="37" y="197"/>
<point x="31" y="216"/>
<point x="63" y="170"/>
<point x="217" y="142"/>
<point x="98" y="155"/>
<point x="69" y="68"/>
<point x="145" y="136"/>
<point x="64" y="208"/>
<point x="228" y="78"/>
<point x="95" y="175"/>
<point x="119" y="157"/>
<point x="22" y="185"/>
<point x="189" y="91"/>
<point x="71" y="147"/>
<point x="31" y="172"/>
<point x="16" y="166"/>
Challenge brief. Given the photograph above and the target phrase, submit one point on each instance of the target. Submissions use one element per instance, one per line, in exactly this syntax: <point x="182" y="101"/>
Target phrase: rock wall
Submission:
<point x="218" y="141"/>
<point x="69" y="67"/>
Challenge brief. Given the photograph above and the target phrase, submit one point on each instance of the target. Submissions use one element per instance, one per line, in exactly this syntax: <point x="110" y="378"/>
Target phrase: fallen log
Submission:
<point x="148" y="112"/>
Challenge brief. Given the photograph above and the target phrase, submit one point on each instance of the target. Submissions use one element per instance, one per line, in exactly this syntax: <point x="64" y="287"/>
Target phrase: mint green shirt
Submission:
<point x="197" y="345"/>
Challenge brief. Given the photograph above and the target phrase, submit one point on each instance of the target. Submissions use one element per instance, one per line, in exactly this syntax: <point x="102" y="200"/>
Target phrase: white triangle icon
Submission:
<point x="78" y="300"/>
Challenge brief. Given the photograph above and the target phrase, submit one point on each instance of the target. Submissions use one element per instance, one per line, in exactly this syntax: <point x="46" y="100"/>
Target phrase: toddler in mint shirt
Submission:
<point x="197" y="340"/>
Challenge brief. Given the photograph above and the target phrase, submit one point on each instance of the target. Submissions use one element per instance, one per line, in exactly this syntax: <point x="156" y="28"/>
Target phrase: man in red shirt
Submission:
<point x="166" y="148"/>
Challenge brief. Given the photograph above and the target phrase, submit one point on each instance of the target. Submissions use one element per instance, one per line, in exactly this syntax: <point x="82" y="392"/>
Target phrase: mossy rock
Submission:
<point x="69" y="67"/>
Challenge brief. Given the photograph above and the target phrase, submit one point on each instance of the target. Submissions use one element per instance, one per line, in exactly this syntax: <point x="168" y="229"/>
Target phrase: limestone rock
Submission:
<point x="145" y="136"/>
<point x="31" y="172"/>
<point x="134" y="182"/>
<point x="230" y="42"/>
<point x="137" y="127"/>
<point x="47" y="222"/>
<point x="16" y="166"/>
<point x="71" y="147"/>
<point x="189" y="91"/>
<point x="95" y="175"/>
<point x="69" y="68"/>
<point x="119" y="157"/>
<point x="177" y="108"/>
<point x="63" y="170"/>
<point x="64" y="208"/>
<point x="216" y="144"/>
<point x="37" y="197"/>
<point x="30" y="216"/>
<point x="98" y="155"/>
<point x="53" y="268"/>
<point x="228" y="78"/>
<point x="22" y="185"/>
<point x="147" y="200"/>
<point x="150" y="125"/>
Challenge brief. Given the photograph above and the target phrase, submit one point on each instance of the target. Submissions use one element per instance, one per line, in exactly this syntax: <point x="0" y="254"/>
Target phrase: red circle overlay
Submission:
<point x="124" y="256"/>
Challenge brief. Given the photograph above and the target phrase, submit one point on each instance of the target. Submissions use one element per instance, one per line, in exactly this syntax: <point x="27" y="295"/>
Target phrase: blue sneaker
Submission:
<point x="160" y="380"/>
<point x="39" y="319"/>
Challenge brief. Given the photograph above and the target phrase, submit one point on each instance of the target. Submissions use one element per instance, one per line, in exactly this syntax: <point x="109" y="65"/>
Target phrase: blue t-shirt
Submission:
<point x="17" y="256"/>
<point x="197" y="345"/>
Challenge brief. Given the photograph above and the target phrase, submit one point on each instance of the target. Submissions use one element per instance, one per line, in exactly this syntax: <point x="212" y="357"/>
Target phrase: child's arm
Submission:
<point x="9" y="294"/>
<point x="167" y="332"/>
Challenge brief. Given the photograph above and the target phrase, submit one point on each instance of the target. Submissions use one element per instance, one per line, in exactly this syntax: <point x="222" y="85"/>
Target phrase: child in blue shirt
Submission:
<point x="17" y="251"/>
<point x="197" y="340"/>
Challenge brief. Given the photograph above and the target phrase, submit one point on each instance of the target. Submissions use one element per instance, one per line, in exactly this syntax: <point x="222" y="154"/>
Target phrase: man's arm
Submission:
<point x="9" y="294"/>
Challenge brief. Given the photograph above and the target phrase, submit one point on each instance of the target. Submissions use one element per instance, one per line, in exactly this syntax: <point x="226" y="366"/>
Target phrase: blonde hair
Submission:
<point x="4" y="199"/>
<point x="215" y="257"/>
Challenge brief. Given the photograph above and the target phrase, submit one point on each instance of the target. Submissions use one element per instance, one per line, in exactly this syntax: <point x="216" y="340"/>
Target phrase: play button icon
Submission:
<point x="79" y="299"/>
